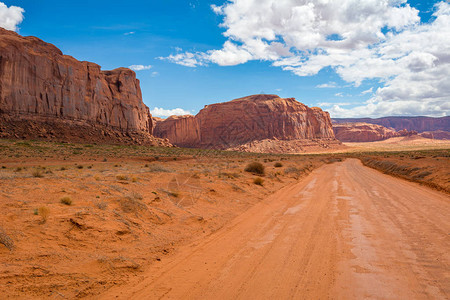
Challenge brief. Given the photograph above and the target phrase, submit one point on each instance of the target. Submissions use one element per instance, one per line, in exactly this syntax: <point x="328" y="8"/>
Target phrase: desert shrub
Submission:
<point x="121" y="177"/>
<point x="229" y="175"/>
<point x="80" y="167"/>
<point x="130" y="204"/>
<point x="66" y="200"/>
<point x="258" y="181"/>
<point x="63" y="168"/>
<point x="292" y="170"/>
<point x="5" y="240"/>
<point x="278" y="165"/>
<point x="136" y="195"/>
<point x="37" y="174"/>
<point x="159" y="168"/>
<point x="101" y="205"/>
<point x="44" y="212"/>
<point x="18" y="169"/>
<point x="255" y="168"/>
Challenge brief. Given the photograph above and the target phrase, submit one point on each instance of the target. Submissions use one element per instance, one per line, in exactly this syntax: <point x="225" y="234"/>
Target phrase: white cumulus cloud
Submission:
<point x="369" y="91"/>
<point x="330" y="84"/>
<point x="161" y="112"/>
<point x="140" y="67"/>
<point x="383" y="40"/>
<point x="10" y="17"/>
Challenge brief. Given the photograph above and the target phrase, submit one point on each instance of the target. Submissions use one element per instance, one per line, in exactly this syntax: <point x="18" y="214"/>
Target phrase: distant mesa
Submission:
<point x="45" y="94"/>
<point x="419" y="124"/>
<point x="257" y="123"/>
<point x="365" y="132"/>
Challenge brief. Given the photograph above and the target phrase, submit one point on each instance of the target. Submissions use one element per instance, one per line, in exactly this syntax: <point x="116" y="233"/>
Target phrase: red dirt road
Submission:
<point x="344" y="232"/>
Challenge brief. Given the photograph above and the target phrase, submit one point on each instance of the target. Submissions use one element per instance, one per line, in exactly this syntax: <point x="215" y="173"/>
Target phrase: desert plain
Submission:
<point x="134" y="222"/>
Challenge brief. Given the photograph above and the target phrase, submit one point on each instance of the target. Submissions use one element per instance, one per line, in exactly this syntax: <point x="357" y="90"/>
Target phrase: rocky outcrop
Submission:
<point x="362" y="132"/>
<point x="38" y="84"/>
<point x="437" y="134"/>
<point x="185" y="130"/>
<point x="419" y="124"/>
<point x="241" y="121"/>
<point x="365" y="132"/>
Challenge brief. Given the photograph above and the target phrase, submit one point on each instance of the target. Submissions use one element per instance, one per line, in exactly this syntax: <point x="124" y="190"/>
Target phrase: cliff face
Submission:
<point x="240" y="121"/>
<point x="185" y="130"/>
<point x="362" y="132"/>
<point x="419" y="124"/>
<point x="40" y="84"/>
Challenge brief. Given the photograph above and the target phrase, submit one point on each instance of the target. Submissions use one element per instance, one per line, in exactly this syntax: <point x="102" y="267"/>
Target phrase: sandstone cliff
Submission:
<point x="437" y="134"/>
<point x="419" y="124"/>
<point x="40" y="85"/>
<point x="365" y="132"/>
<point x="254" y="118"/>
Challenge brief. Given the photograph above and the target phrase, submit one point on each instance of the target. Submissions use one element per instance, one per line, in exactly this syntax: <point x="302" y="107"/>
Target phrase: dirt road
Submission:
<point x="344" y="232"/>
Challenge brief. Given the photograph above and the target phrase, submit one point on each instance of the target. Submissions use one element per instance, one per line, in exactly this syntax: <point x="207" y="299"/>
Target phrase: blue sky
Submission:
<point x="164" y="34"/>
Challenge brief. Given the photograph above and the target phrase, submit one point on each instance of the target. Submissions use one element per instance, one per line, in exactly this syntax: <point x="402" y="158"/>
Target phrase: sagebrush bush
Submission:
<point x="278" y="165"/>
<point x="5" y="240"/>
<point x="255" y="168"/>
<point x="258" y="181"/>
<point x="122" y="177"/>
<point x="37" y="174"/>
<point x="66" y="200"/>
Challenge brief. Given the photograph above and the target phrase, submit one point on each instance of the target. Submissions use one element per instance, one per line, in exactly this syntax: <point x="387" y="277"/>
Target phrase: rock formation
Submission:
<point x="419" y="124"/>
<point x="362" y="132"/>
<point x="232" y="124"/>
<point x="437" y="134"/>
<point x="41" y="89"/>
<point x="365" y="132"/>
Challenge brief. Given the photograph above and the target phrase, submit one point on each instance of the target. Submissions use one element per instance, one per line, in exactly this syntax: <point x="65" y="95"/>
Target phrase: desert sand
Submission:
<point x="100" y="221"/>
<point x="345" y="232"/>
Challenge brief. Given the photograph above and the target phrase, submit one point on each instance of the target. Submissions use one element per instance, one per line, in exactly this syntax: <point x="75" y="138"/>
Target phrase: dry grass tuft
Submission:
<point x="131" y="204"/>
<point x="66" y="200"/>
<point x="122" y="177"/>
<point x="5" y="240"/>
<point x="44" y="212"/>
<point x="255" y="168"/>
<point x="258" y="181"/>
<point x="37" y="174"/>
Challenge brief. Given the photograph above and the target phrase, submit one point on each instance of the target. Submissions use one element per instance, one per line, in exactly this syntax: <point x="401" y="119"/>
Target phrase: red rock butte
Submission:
<point x="46" y="94"/>
<point x="365" y="132"/>
<point x="245" y="120"/>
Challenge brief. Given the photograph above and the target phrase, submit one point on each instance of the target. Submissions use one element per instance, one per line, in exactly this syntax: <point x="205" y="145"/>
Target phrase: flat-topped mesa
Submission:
<point x="365" y="132"/>
<point x="244" y="120"/>
<point x="38" y="84"/>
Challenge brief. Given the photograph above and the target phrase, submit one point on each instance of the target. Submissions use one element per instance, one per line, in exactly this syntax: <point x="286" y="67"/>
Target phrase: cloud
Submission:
<point x="161" y="112"/>
<point x="381" y="40"/>
<point x="155" y="74"/>
<point x="129" y="33"/>
<point x="186" y="59"/>
<point x="369" y="91"/>
<point x="10" y="17"/>
<point x="327" y="85"/>
<point x="339" y="95"/>
<point x="328" y="104"/>
<point x="140" y="67"/>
